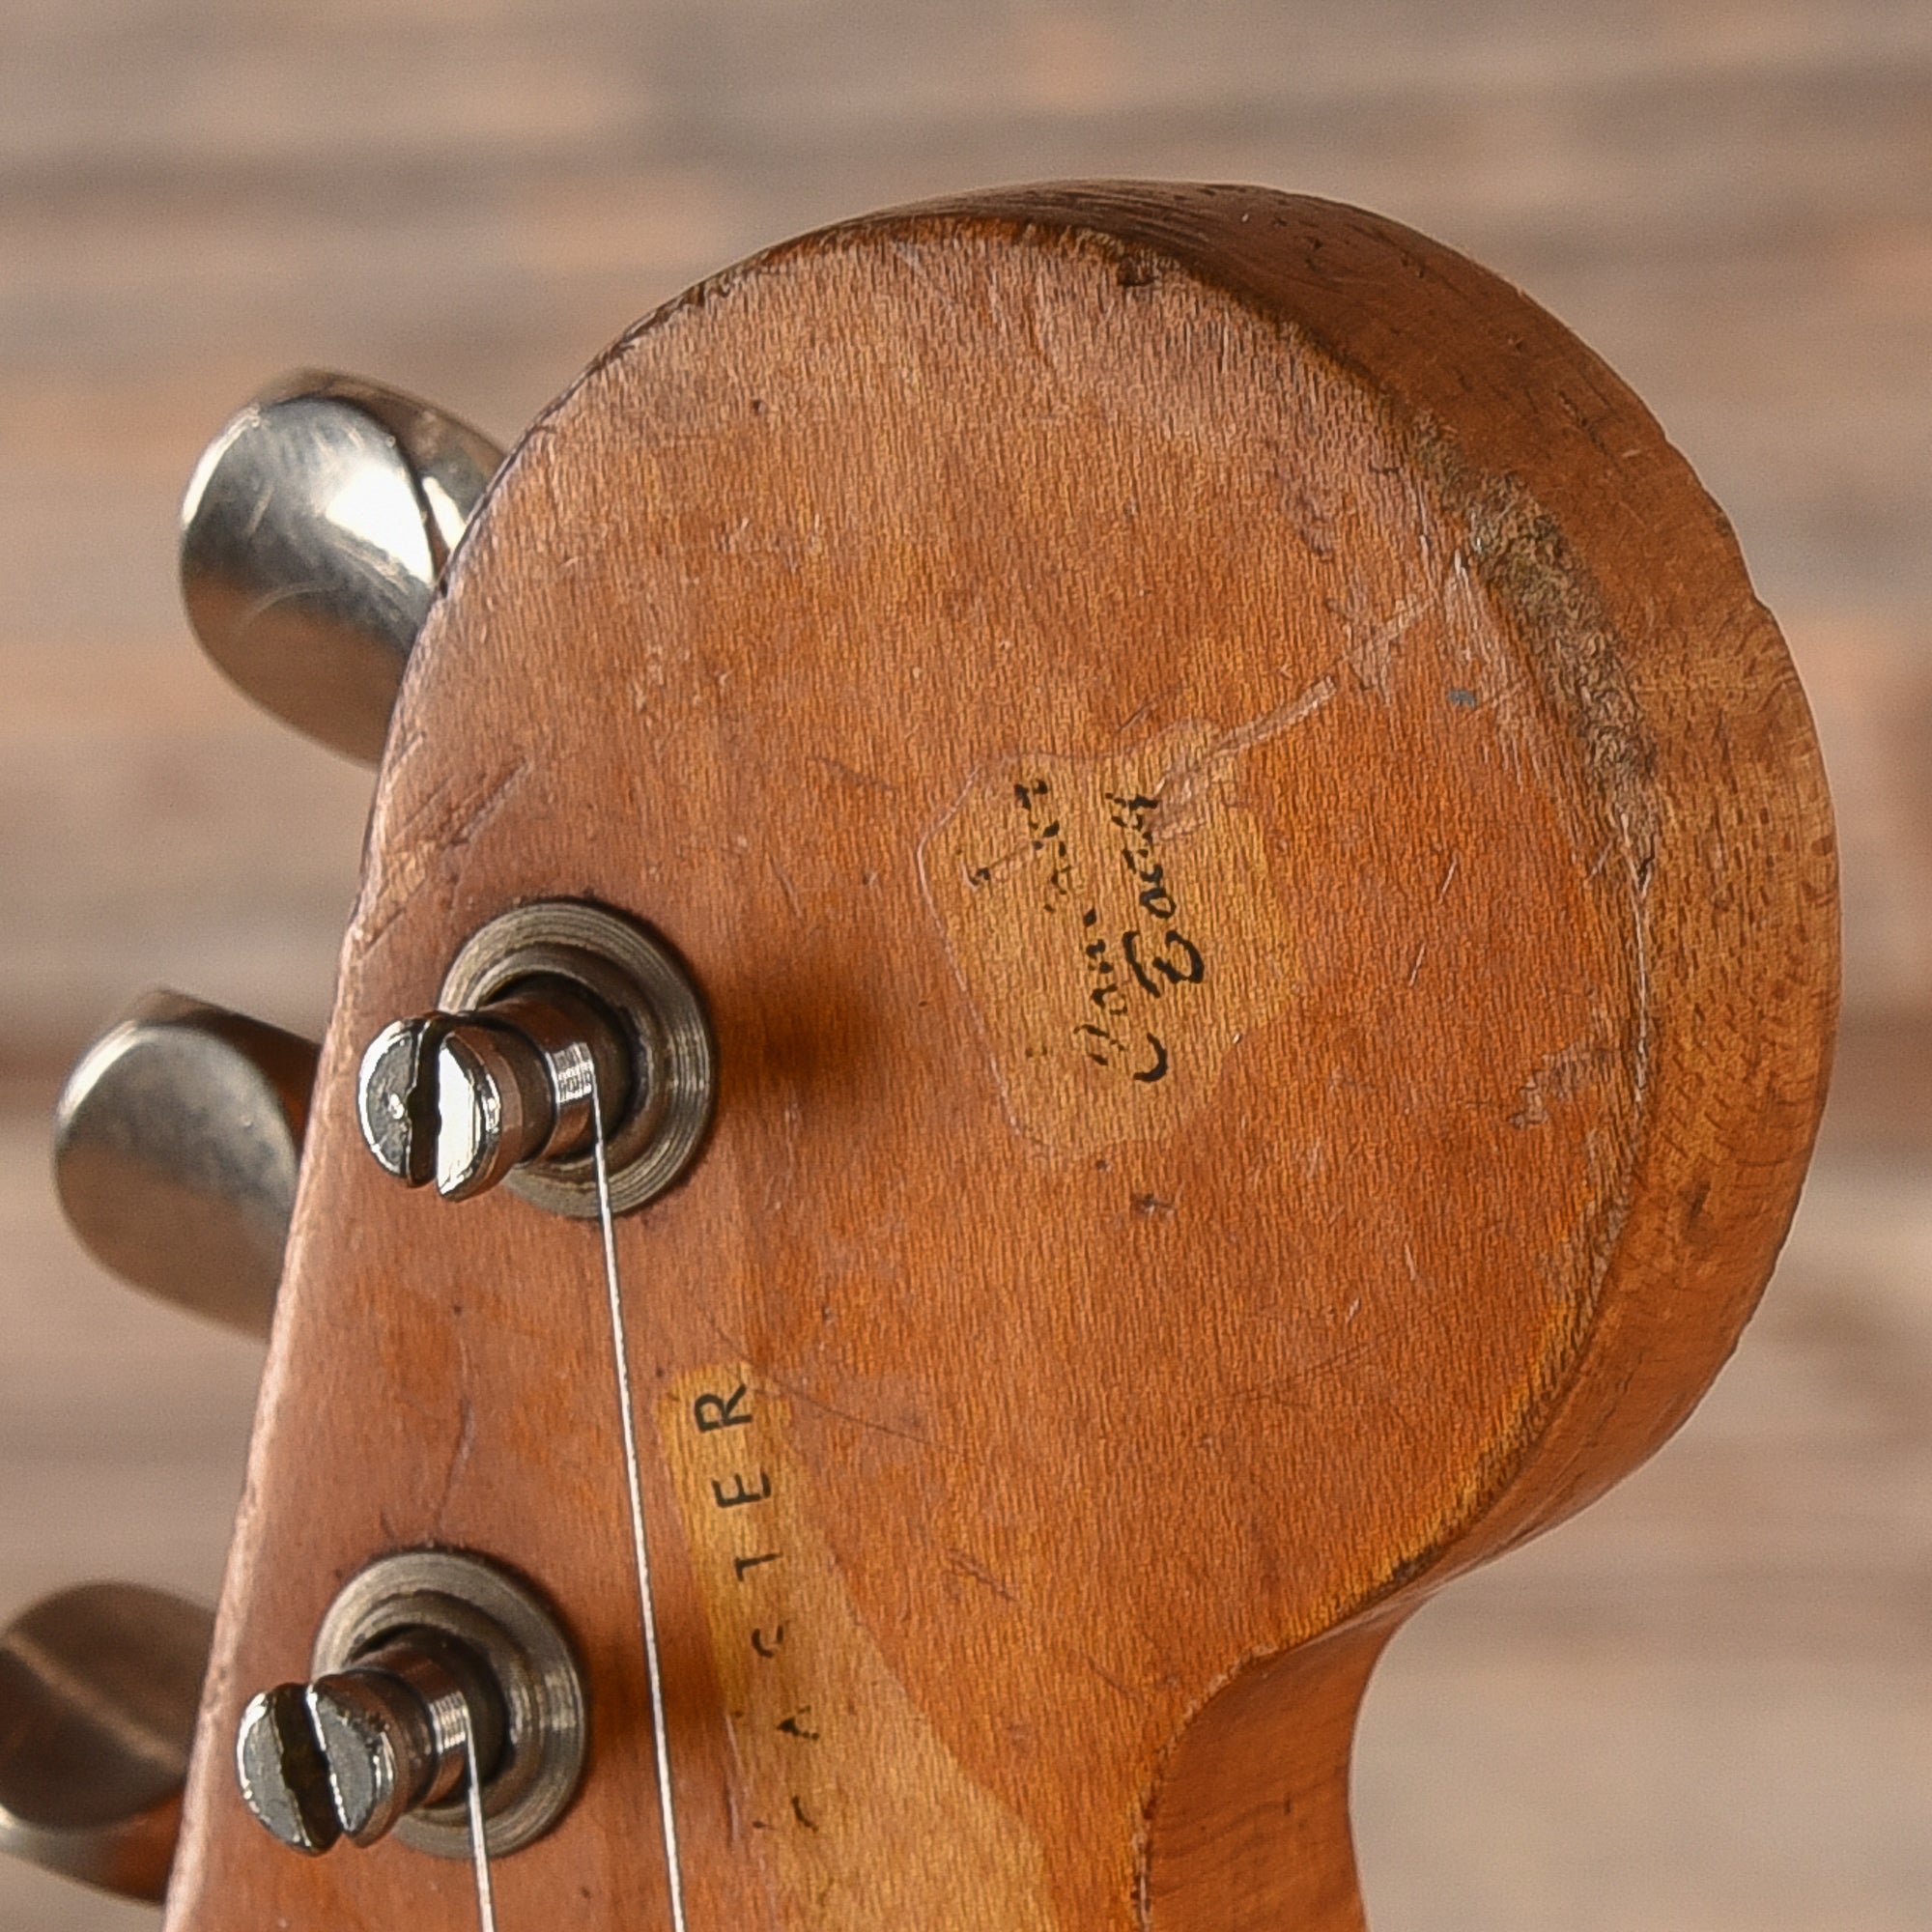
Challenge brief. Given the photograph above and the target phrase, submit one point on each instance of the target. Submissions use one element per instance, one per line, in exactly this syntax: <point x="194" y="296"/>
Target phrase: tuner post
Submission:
<point x="427" y="1654"/>
<point x="354" y="1752"/>
<point x="462" y="1099"/>
<point x="558" y="1021"/>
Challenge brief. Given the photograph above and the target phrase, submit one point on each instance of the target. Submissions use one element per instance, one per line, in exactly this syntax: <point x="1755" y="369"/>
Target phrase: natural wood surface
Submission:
<point x="1701" y="1704"/>
<point x="1268" y="900"/>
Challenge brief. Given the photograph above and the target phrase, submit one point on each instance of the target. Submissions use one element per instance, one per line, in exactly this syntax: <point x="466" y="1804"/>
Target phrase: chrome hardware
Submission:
<point x="463" y="1099"/>
<point x="314" y="533"/>
<point x="177" y="1140"/>
<point x="98" y="1689"/>
<point x="418" y="1647"/>
<point x="354" y="1752"/>
<point x="543" y="1006"/>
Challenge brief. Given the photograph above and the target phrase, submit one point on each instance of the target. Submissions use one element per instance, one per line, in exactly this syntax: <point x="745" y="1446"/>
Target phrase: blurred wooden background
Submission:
<point x="1706" y="1706"/>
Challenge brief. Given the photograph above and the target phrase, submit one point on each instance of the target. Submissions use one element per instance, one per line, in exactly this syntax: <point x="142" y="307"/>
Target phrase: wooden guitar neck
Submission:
<point x="1263" y="896"/>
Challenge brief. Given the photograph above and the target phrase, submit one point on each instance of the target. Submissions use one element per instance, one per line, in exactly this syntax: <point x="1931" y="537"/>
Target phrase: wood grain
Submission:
<point x="1731" y="205"/>
<point x="1701" y="1702"/>
<point x="1127" y="1450"/>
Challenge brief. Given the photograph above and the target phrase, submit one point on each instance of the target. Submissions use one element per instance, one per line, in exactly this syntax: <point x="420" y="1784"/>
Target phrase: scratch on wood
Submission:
<point x="459" y="1461"/>
<point x="980" y="1573"/>
<point x="785" y="1175"/>
<point x="1185" y="787"/>
<point x="486" y="808"/>
<point x="423" y="838"/>
<point x="1373" y="660"/>
<point x="1105" y="1675"/>
<point x="839" y="769"/>
<point x="1557" y="1077"/>
<point x="1142" y="712"/>
<point x="977" y="877"/>
<point x="811" y="1401"/>
<point x="786" y="887"/>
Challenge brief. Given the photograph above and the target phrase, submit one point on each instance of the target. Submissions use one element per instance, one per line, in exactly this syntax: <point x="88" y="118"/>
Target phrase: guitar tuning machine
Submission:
<point x="98" y="1689"/>
<point x="314" y="537"/>
<point x="426" y="1656"/>
<point x="556" y="1021"/>
<point x="177" y="1142"/>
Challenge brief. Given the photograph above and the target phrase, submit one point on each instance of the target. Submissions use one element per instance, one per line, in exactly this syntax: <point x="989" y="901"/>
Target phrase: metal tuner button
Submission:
<point x="98" y="1691"/>
<point x="315" y="531"/>
<point x="176" y="1141"/>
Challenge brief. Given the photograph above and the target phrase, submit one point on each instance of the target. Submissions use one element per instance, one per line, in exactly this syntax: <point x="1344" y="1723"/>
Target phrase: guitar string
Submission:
<point x="479" y="1837"/>
<point x="640" y="1545"/>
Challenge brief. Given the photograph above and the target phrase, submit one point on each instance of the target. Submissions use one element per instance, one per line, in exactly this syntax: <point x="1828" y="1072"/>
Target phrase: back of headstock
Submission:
<point x="1257" y="904"/>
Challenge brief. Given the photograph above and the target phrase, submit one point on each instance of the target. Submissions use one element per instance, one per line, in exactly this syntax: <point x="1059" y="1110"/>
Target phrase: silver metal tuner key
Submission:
<point x="314" y="534"/>
<point x="558" y="1021"/>
<point x="176" y="1141"/>
<point x="98" y="1689"/>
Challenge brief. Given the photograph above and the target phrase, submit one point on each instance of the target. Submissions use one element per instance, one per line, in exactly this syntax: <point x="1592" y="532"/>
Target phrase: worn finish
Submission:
<point x="1461" y="1030"/>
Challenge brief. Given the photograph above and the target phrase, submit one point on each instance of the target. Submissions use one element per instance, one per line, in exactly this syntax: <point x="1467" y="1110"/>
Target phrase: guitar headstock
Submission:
<point x="1207" y="908"/>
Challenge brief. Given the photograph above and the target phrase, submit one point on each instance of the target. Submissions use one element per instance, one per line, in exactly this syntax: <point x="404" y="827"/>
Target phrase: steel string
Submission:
<point x="640" y="1545"/>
